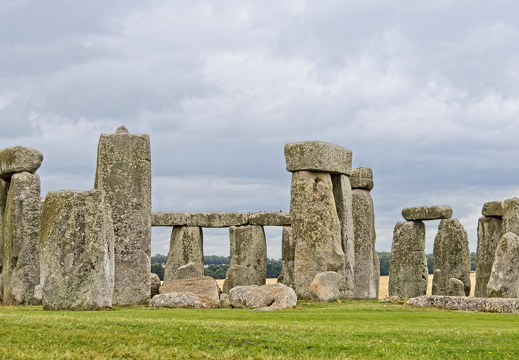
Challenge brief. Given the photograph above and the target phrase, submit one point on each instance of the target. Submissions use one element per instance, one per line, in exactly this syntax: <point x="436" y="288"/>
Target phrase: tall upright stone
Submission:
<point x="287" y="257"/>
<point x="4" y="187"/>
<point x="451" y="256"/>
<point x="248" y="256"/>
<point x="77" y="251"/>
<point x="124" y="173"/>
<point x="408" y="273"/>
<point x="504" y="277"/>
<point x="511" y="216"/>
<point x="490" y="230"/>
<point x="186" y="246"/>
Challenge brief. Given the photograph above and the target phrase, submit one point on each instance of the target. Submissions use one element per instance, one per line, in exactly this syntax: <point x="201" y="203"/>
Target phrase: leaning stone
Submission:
<point x="21" y="228"/>
<point x="451" y="256"/>
<point x="467" y="303"/>
<point x="124" y="173"/>
<point x="504" y="277"/>
<point x="168" y="218"/>
<point x="511" y="216"/>
<point x="176" y="300"/>
<point x="408" y="273"/>
<point x="490" y="230"/>
<point x="493" y="208"/>
<point x="77" y="251"/>
<point x="265" y="297"/>
<point x="155" y="284"/>
<point x="427" y="213"/>
<point x="325" y="287"/>
<point x="316" y="229"/>
<point x="204" y="287"/>
<point x="270" y="218"/>
<point x="456" y="288"/>
<point x="19" y="159"/>
<point x="287" y="257"/>
<point x="318" y="156"/>
<point x="185" y="247"/>
<point x="217" y="219"/>
<point x="362" y="178"/>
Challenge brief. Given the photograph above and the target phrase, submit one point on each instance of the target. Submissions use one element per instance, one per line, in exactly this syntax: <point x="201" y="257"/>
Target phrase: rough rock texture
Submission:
<point x="362" y="178"/>
<point x="161" y="218"/>
<point x="249" y="250"/>
<point x="504" y="277"/>
<point x="511" y="216"/>
<point x="155" y="284"/>
<point x="217" y="219"/>
<point x="186" y="246"/>
<point x="176" y="300"/>
<point x="265" y="297"/>
<point x="318" y="156"/>
<point x="451" y="256"/>
<point x="343" y="196"/>
<point x="316" y="229"/>
<point x="490" y="230"/>
<point x="287" y="257"/>
<point x="204" y="287"/>
<point x="493" y="208"/>
<point x="467" y="303"/>
<point x="364" y="229"/>
<point x="19" y="159"/>
<point x="4" y="187"/>
<point x="236" y="275"/>
<point x="20" y="229"/>
<point x="427" y="212"/>
<point x="325" y="286"/>
<point x="77" y="251"/>
<point x="270" y="218"/>
<point x="124" y="173"/>
<point x="408" y="273"/>
<point x="456" y="287"/>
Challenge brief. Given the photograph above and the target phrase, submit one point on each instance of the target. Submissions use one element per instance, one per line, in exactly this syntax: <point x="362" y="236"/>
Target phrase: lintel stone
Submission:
<point x="493" y="208"/>
<point x="427" y="213"/>
<point x="168" y="218"/>
<point x="270" y="218"/>
<point x="362" y="178"/>
<point x="318" y="156"/>
<point x="217" y="219"/>
<point x="19" y="159"/>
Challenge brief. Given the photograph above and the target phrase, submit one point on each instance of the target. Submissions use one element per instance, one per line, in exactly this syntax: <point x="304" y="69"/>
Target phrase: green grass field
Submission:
<point x="346" y="330"/>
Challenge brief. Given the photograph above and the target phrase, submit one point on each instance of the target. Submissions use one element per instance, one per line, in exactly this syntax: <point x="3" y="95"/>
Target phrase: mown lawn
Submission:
<point x="347" y="330"/>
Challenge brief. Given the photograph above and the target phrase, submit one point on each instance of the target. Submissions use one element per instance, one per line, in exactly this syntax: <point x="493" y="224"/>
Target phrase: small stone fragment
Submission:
<point x="318" y="156"/>
<point x="155" y="284"/>
<point x="427" y="213"/>
<point x="265" y="297"/>
<point x="325" y="287"/>
<point x="204" y="287"/>
<point x="456" y="287"/>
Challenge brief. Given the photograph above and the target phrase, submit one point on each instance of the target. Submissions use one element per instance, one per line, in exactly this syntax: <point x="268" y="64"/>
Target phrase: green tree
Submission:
<point x="273" y="268"/>
<point x="383" y="258"/>
<point x="430" y="263"/>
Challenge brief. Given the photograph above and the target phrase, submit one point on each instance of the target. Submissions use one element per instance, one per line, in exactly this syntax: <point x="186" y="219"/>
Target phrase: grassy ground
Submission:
<point x="347" y="330"/>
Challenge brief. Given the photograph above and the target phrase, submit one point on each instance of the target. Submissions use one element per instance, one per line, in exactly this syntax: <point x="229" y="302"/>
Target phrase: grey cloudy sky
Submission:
<point x="424" y="92"/>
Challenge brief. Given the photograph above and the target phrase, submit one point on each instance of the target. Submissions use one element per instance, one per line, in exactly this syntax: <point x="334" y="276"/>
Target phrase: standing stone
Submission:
<point x="408" y="273"/>
<point x="504" y="278"/>
<point x="456" y="287"/>
<point x="77" y="251"/>
<point x="287" y="257"/>
<point x="20" y="228"/>
<point x="344" y="202"/>
<point x="325" y="286"/>
<point x="316" y="229"/>
<point x="4" y="187"/>
<point x="249" y="252"/>
<point x="511" y="216"/>
<point x="186" y="246"/>
<point x="451" y="256"/>
<point x="124" y="173"/>
<point x="490" y="230"/>
<point x="365" y="236"/>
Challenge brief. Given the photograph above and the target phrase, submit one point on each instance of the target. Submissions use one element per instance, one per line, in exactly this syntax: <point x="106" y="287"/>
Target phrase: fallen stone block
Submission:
<point x="456" y="287"/>
<point x="155" y="284"/>
<point x="325" y="287"/>
<point x="265" y="297"/>
<point x="318" y="156"/>
<point x="427" y="213"/>
<point x="176" y="300"/>
<point x="19" y="159"/>
<point x="466" y="303"/>
<point x="204" y="287"/>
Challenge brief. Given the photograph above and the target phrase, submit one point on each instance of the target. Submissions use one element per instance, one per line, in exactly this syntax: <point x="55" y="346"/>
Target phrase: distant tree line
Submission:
<point x="217" y="266"/>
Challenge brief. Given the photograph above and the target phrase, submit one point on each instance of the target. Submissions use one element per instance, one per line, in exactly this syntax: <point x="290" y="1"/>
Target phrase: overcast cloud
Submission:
<point x="425" y="93"/>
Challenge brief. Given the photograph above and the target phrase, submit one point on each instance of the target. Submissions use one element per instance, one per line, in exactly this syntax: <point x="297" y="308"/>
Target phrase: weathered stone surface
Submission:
<point x="490" y="230"/>
<point x="204" y="287"/>
<point x="236" y="275"/>
<point x="493" y="208"/>
<point x="77" y="251"/>
<point x="168" y="218"/>
<point x="451" y="256"/>
<point x="318" y="156"/>
<point x="265" y="297"/>
<point x="511" y="216"/>
<point x="504" y="277"/>
<point x="364" y="229"/>
<point x="38" y="295"/>
<point x="325" y="286"/>
<point x="270" y="218"/>
<point x="155" y="284"/>
<point x="186" y="246"/>
<point x="20" y="233"/>
<point x="217" y="219"/>
<point x="4" y="187"/>
<point x="456" y="287"/>
<point x="316" y="229"/>
<point x="287" y="257"/>
<point x="427" y="213"/>
<point x="249" y="250"/>
<point x="467" y="303"/>
<point x="408" y="273"/>
<point x="19" y="159"/>
<point x="176" y="300"/>
<point x="124" y="173"/>
<point x="344" y="203"/>
<point x="362" y="178"/>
